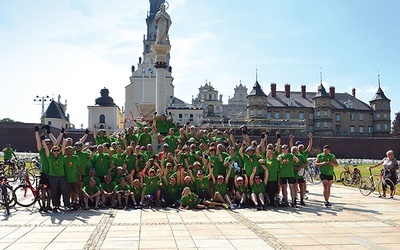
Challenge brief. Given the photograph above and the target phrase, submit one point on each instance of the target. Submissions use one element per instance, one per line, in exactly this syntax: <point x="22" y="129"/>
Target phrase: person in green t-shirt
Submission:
<point x="258" y="187"/>
<point x="221" y="188"/>
<point x="91" y="194"/>
<point x="241" y="190"/>
<point x="153" y="193"/>
<point x="171" y="190"/>
<point x="299" y="172"/>
<point x="287" y="161"/>
<point x="138" y="190"/>
<point x="326" y="161"/>
<point x="73" y="175"/>
<point x="57" y="179"/>
<point x="8" y="153"/>
<point x="123" y="191"/>
<point x="101" y="162"/>
<point x="190" y="201"/>
<point x="107" y="191"/>
<point x="272" y="164"/>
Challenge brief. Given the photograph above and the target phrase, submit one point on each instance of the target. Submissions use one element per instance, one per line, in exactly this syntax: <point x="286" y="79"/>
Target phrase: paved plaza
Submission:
<point x="353" y="222"/>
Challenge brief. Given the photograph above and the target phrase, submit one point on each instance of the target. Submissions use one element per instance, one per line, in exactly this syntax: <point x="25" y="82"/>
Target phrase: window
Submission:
<point x="318" y="113"/>
<point x="311" y="128"/>
<point x="325" y="113"/>
<point x="352" y="129"/>
<point x="49" y="123"/>
<point x="378" y="126"/>
<point x="252" y="112"/>
<point x="351" y="116"/>
<point x="259" y="100"/>
<point x="361" y="117"/>
<point x="301" y="115"/>
<point x="318" y="102"/>
<point x="252" y="100"/>
<point x="378" y="115"/>
<point x="259" y="112"/>
<point x="361" y="129"/>
<point x="311" y="116"/>
<point x="287" y="115"/>
<point x="180" y="115"/>
<point x="385" y="115"/>
<point x="325" y="125"/>
<point x="338" y="129"/>
<point x="269" y="115"/>
<point x="370" y="130"/>
<point x="102" y="119"/>
<point x="385" y="126"/>
<point x="338" y="117"/>
<point x="276" y="115"/>
<point x="318" y="124"/>
<point x="191" y="115"/>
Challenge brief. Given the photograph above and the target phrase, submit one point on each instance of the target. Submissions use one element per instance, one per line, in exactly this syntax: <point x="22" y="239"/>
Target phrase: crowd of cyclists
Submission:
<point x="191" y="168"/>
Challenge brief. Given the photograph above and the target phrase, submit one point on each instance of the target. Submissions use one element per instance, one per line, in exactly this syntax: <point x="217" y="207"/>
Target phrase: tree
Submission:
<point x="7" y="120"/>
<point x="396" y="124"/>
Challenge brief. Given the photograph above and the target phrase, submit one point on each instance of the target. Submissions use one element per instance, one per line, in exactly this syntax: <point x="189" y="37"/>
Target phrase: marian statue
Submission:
<point x="163" y="21"/>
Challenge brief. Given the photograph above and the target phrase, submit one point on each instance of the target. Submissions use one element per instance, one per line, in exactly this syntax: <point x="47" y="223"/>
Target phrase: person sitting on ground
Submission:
<point x="123" y="191"/>
<point x="138" y="190"/>
<point x="91" y="194"/>
<point x="107" y="191"/>
<point x="221" y="188"/>
<point x="241" y="190"/>
<point x="258" y="187"/>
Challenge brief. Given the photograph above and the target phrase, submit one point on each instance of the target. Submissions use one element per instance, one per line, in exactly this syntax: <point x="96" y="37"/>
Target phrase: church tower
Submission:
<point x="380" y="105"/>
<point x="140" y="94"/>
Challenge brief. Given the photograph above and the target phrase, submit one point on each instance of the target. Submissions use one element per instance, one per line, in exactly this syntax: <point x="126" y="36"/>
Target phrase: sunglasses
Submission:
<point x="56" y="150"/>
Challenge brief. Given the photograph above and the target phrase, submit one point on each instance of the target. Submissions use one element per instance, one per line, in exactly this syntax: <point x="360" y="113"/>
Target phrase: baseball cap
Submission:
<point x="200" y="172"/>
<point x="166" y="145"/>
<point x="327" y="147"/>
<point x="249" y="148"/>
<point x="240" y="178"/>
<point x="297" y="143"/>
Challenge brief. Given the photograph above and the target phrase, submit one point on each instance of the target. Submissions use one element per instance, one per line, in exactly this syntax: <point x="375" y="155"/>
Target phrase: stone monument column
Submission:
<point x="161" y="51"/>
<point x="161" y="48"/>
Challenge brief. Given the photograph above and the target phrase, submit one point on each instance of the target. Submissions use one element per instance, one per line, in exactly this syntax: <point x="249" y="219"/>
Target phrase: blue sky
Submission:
<point x="74" y="48"/>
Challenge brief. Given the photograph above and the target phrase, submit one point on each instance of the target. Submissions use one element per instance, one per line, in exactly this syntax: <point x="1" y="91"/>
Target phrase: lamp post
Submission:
<point x="42" y="99"/>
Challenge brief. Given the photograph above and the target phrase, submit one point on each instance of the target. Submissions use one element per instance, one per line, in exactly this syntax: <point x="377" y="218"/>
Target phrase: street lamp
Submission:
<point x="42" y="99"/>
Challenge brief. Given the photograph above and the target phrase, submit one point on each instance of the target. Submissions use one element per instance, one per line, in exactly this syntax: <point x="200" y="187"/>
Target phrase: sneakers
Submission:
<point x="302" y="203"/>
<point x="231" y="207"/>
<point x="293" y="205"/>
<point x="240" y="205"/>
<point x="86" y="208"/>
<point x="225" y="205"/>
<point x="327" y="204"/>
<point x="114" y="204"/>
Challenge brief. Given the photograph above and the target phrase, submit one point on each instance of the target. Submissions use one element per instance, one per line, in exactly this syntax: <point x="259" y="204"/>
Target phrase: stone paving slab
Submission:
<point x="353" y="222"/>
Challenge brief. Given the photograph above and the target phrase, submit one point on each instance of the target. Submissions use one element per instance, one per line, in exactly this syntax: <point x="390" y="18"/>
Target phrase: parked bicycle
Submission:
<point x="312" y="174"/>
<point x="369" y="185"/>
<point x="350" y="177"/>
<point x="21" y="171"/>
<point x="7" y="199"/>
<point x="26" y="194"/>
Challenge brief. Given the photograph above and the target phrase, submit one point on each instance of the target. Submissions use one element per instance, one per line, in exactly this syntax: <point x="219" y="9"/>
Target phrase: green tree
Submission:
<point x="7" y="120"/>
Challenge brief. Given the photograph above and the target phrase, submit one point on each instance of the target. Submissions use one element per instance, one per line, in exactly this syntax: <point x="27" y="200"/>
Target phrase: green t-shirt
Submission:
<point x="71" y="166"/>
<point x="56" y="165"/>
<point x="287" y="169"/>
<point x="118" y="159"/>
<point x="220" y="188"/>
<point x="172" y="142"/>
<point x="273" y="169"/>
<point x="85" y="161"/>
<point x="173" y="192"/>
<point x="86" y="181"/>
<point x="100" y="163"/>
<point x="130" y="161"/>
<point x="44" y="161"/>
<point x="249" y="163"/>
<point x="8" y="153"/>
<point x="137" y="191"/>
<point x="144" y="139"/>
<point x="102" y="139"/>
<point x="108" y="187"/>
<point x="151" y="184"/>
<point x="202" y="185"/>
<point x="242" y="189"/>
<point x="119" y="187"/>
<point x="191" y="201"/>
<point x="257" y="189"/>
<point x="301" y="162"/>
<point x="91" y="190"/>
<point x="326" y="169"/>
<point x="218" y="165"/>
<point x="163" y="126"/>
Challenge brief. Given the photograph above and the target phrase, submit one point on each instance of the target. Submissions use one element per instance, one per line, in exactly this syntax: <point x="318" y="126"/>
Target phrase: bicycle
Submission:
<point x="26" y="194"/>
<point x="368" y="185"/>
<point x="7" y="199"/>
<point x="312" y="174"/>
<point x="21" y="171"/>
<point x="349" y="177"/>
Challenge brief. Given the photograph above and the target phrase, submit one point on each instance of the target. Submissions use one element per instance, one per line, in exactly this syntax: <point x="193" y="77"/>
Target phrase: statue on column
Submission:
<point x="163" y="21"/>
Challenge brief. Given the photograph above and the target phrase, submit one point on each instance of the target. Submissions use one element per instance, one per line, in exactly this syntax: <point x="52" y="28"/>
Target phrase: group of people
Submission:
<point x="191" y="168"/>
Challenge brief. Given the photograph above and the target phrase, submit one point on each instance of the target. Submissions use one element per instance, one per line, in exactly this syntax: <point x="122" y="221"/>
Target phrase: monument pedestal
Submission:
<point x="161" y="51"/>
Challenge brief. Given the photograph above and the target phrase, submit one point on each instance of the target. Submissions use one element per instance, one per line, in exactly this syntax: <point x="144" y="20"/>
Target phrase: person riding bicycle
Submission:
<point x="390" y="165"/>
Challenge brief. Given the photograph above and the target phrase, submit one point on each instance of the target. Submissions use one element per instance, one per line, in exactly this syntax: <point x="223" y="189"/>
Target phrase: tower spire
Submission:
<point x="320" y="74"/>
<point x="379" y="80"/>
<point x="256" y="74"/>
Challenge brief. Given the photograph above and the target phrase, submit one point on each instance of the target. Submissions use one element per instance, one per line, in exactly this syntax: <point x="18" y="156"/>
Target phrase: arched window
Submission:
<point x="210" y="110"/>
<point x="102" y="119"/>
<point x="210" y="97"/>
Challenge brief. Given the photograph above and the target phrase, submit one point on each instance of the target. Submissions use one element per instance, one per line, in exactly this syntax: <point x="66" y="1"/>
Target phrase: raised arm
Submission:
<point x="252" y="176"/>
<point x="310" y="142"/>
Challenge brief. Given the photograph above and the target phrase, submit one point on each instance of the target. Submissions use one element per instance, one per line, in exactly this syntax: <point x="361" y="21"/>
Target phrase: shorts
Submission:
<point x="286" y="180"/>
<point x="74" y="187"/>
<point x="327" y="177"/>
<point x="300" y="180"/>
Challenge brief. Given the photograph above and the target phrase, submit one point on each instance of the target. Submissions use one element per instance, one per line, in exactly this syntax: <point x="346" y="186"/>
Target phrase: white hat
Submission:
<point x="240" y="178"/>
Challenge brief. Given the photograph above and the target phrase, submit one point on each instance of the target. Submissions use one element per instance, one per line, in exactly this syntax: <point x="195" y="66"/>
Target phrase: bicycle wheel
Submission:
<point x="386" y="185"/>
<point x="43" y="198"/>
<point x="346" y="179"/>
<point x="357" y="179"/>
<point x="24" y="195"/>
<point x="10" y="173"/>
<point x="10" y="196"/>
<point x="366" y="186"/>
